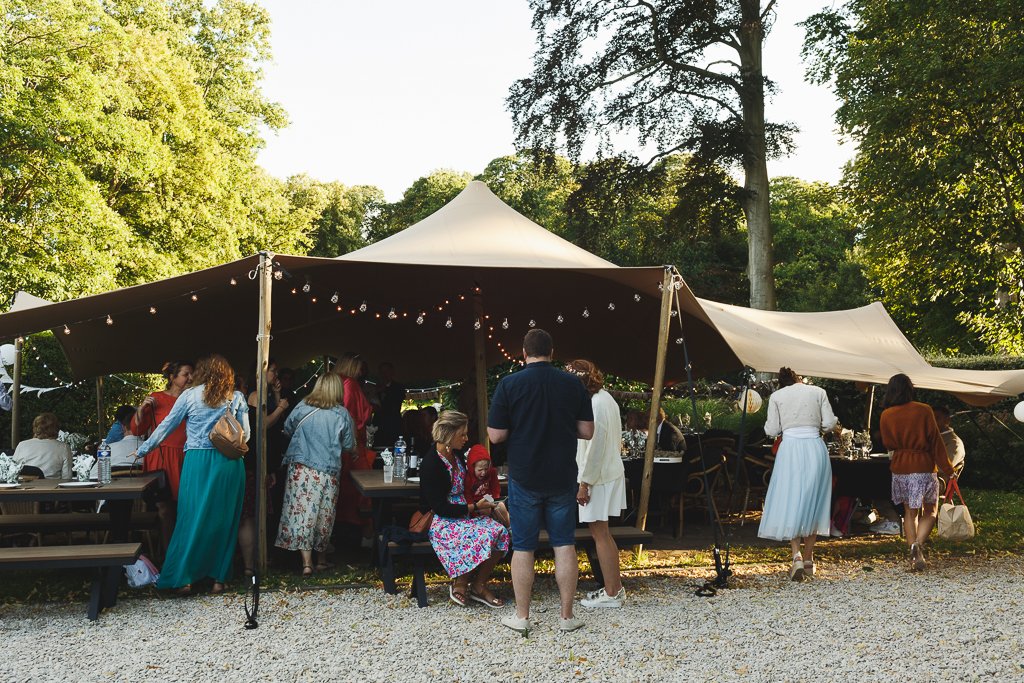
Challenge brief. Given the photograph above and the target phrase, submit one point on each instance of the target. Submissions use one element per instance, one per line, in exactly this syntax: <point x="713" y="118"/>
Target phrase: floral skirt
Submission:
<point x="463" y="544"/>
<point x="915" y="490"/>
<point x="307" y="517"/>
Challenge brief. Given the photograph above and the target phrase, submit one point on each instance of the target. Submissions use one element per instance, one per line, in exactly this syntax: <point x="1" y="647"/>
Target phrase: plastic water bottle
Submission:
<point x="103" y="462"/>
<point x="400" y="461"/>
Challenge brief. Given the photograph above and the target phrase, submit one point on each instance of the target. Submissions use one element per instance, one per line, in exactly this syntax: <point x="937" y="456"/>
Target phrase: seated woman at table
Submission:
<point x="212" y="486"/>
<point x="467" y="540"/>
<point x="321" y="430"/>
<point x="43" y="450"/>
<point x="796" y="508"/>
<point x="909" y="430"/>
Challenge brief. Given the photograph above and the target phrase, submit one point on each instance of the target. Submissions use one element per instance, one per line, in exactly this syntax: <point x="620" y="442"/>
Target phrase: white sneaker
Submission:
<point x="570" y="624"/>
<point x="886" y="527"/>
<point x="600" y="598"/>
<point x="520" y="626"/>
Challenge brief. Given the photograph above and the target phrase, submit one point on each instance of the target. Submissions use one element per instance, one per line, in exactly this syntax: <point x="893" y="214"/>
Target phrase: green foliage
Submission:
<point x="535" y="184"/>
<point x="340" y="215"/>
<point x="817" y="264"/>
<point x="931" y="92"/>
<point x="129" y="132"/>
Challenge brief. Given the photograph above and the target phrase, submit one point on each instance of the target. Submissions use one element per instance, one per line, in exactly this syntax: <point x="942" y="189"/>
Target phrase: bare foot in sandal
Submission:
<point x="482" y="595"/>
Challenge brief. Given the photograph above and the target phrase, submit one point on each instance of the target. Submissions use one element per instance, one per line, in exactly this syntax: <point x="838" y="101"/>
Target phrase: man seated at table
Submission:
<point x="122" y="424"/>
<point x="954" y="445"/>
<point x="669" y="436"/>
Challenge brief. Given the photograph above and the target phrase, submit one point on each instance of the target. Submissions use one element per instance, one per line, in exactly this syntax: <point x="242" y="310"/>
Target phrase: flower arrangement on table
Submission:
<point x="9" y="469"/>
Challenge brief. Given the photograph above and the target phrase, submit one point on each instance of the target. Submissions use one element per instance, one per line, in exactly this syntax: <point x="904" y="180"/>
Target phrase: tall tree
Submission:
<point x="340" y="215"/>
<point x="536" y="190"/>
<point x="931" y="92"/>
<point x="425" y="196"/>
<point x="682" y="75"/>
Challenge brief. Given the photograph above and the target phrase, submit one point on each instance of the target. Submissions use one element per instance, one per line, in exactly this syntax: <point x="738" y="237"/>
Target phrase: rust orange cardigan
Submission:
<point x="910" y="432"/>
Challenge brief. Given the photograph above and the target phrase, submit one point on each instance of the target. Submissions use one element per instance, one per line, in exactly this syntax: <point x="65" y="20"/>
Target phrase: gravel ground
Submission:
<point x="962" y="619"/>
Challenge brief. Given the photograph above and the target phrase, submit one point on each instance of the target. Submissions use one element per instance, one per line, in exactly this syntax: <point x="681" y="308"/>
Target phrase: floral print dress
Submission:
<point x="463" y="543"/>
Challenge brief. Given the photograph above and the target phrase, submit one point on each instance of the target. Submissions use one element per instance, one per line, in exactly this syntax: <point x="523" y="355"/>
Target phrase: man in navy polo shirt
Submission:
<point x="541" y="411"/>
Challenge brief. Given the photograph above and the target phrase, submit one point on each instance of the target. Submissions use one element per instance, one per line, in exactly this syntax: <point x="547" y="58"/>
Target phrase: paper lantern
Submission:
<point x="7" y="352"/>
<point x="753" y="403"/>
<point x="1018" y="411"/>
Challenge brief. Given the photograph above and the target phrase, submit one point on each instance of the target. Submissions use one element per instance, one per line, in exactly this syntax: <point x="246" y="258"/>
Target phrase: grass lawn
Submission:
<point x="998" y="518"/>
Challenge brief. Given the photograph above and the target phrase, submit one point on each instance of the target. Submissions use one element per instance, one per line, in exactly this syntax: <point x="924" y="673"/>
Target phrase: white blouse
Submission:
<point x="53" y="457"/>
<point x="799" y="405"/>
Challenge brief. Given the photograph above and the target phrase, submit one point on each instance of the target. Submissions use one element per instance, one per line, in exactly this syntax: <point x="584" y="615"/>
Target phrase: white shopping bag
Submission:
<point x="955" y="523"/>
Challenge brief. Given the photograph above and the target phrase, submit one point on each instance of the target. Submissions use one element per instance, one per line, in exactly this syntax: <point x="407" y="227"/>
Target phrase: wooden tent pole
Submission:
<point x="16" y="393"/>
<point x="656" y="386"/>
<point x="265" y="275"/>
<point x="101" y="418"/>
<point x="480" y="368"/>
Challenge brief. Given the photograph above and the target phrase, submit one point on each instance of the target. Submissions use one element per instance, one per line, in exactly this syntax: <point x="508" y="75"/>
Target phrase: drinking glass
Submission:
<point x="389" y="473"/>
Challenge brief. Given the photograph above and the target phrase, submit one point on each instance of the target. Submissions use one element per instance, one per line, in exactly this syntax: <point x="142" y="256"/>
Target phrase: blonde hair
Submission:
<point x="45" y="426"/>
<point x="349" y="365"/>
<point x="217" y="375"/>
<point x="448" y="425"/>
<point x="328" y="391"/>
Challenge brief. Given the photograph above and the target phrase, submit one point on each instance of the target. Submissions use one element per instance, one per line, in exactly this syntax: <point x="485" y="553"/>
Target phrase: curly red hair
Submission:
<point x="589" y="374"/>
<point x="217" y="375"/>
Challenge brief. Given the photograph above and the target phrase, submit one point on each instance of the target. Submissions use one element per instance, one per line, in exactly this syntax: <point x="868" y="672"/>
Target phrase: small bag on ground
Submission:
<point x="955" y="523"/>
<point x="142" y="573"/>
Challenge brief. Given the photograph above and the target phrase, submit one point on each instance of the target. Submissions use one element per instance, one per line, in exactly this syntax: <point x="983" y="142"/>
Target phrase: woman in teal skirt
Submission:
<point x="212" y="486"/>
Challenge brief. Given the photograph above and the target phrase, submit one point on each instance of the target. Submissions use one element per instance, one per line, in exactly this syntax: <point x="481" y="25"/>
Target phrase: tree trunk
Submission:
<point x="756" y="205"/>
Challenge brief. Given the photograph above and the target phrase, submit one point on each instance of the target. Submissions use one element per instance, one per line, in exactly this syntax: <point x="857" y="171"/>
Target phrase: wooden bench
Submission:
<point x="106" y="559"/>
<point x="421" y="551"/>
<point x="71" y="521"/>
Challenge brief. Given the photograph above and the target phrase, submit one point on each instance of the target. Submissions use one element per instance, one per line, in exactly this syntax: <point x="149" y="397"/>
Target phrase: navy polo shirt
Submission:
<point x="540" y="406"/>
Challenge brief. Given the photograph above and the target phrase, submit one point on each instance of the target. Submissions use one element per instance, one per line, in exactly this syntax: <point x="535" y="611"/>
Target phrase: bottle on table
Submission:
<point x="414" y="459"/>
<point x="103" y="462"/>
<point x="400" y="461"/>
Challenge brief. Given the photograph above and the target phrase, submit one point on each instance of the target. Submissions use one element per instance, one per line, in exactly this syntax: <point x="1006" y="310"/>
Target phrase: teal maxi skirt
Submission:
<point x="209" y="507"/>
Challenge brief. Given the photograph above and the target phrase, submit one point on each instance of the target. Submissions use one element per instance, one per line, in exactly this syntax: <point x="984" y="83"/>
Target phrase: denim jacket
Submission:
<point x="200" y="419"/>
<point x="321" y="439"/>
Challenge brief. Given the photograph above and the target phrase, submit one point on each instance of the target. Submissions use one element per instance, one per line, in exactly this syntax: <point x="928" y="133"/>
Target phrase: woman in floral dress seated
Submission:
<point x="466" y="538"/>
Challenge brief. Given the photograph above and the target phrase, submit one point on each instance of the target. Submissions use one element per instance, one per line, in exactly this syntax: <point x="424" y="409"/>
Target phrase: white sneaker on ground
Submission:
<point x="520" y="626"/>
<point x="600" y="598"/>
<point x="570" y="624"/>
<point x="887" y="527"/>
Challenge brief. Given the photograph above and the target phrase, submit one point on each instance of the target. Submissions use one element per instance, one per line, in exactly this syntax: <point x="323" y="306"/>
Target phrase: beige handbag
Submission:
<point x="955" y="523"/>
<point x="228" y="437"/>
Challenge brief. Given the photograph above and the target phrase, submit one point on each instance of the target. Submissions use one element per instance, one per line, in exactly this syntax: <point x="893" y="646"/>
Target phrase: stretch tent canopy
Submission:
<point x="475" y="245"/>
<point x="860" y="344"/>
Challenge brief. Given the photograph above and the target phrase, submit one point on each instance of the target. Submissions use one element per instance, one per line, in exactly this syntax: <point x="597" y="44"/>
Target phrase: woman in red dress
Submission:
<point x="169" y="456"/>
<point x="359" y="408"/>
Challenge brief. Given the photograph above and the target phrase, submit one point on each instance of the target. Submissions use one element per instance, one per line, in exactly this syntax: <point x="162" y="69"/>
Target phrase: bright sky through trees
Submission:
<point x="383" y="93"/>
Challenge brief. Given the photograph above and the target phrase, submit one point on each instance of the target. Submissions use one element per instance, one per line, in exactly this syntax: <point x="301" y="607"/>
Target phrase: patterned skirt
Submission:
<point x="915" y="490"/>
<point x="307" y="517"/>
<point x="463" y="544"/>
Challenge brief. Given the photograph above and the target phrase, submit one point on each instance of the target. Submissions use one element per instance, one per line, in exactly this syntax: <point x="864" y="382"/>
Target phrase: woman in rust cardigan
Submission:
<point x="910" y="432"/>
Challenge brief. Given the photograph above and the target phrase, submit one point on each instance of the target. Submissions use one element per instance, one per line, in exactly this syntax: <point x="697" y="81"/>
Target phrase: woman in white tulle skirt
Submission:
<point x="797" y="506"/>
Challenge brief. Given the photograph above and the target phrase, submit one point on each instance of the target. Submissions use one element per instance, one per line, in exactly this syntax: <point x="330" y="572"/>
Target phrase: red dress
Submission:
<point x="169" y="456"/>
<point x="359" y="408"/>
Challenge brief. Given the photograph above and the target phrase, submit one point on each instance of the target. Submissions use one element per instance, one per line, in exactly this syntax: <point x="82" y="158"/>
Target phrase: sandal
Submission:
<point x="481" y="596"/>
<point x="218" y="588"/>
<point x="307" y="570"/>
<point x="458" y="597"/>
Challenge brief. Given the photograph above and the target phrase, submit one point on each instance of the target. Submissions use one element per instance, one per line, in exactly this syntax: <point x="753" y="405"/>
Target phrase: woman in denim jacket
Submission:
<point x="321" y="430"/>
<point x="210" y="496"/>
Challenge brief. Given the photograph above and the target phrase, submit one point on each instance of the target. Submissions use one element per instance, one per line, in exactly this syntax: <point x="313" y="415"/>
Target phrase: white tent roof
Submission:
<point x="860" y="344"/>
<point x="476" y="228"/>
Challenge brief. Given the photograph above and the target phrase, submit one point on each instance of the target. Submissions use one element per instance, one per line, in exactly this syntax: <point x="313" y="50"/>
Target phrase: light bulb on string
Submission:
<point x="362" y="306"/>
<point x="313" y="299"/>
<point x="673" y="313"/>
<point x="234" y="281"/>
<point x="278" y="275"/>
<point x="586" y="313"/>
<point x="560" y="318"/>
<point x="334" y="298"/>
<point x="294" y="291"/>
<point x="392" y="315"/>
<point x="67" y="330"/>
<point x="419" y="319"/>
<point x="611" y="305"/>
<point x="636" y="297"/>
<point x="152" y="310"/>
<point x="476" y="324"/>
<point x="195" y="297"/>
<point x="504" y="324"/>
<point x="448" y="323"/>
<point x="661" y="286"/>
<point x="306" y="288"/>
<point x="110" y="321"/>
<point x="679" y="340"/>
<point x="533" y="323"/>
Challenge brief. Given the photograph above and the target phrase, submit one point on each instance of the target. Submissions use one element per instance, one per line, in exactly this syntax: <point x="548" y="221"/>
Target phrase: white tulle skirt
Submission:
<point x="800" y="490"/>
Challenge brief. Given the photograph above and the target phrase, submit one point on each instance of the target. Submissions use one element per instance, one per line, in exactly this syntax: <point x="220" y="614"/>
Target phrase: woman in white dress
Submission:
<point x="602" y="492"/>
<point x="796" y="508"/>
